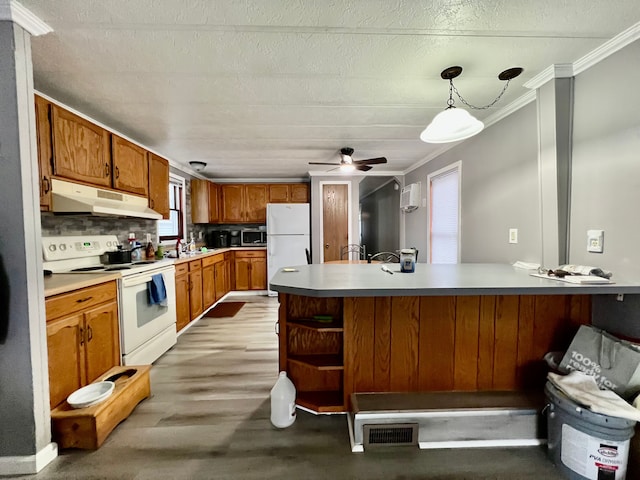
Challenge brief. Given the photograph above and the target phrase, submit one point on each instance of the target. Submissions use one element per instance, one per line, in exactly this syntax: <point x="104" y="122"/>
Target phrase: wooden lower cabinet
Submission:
<point x="183" y="314"/>
<point x="251" y="270"/>
<point x="196" y="306"/>
<point x="82" y="338"/>
<point x="208" y="282"/>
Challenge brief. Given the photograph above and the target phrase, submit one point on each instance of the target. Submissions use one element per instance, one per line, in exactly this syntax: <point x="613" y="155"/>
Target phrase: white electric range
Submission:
<point x="146" y="330"/>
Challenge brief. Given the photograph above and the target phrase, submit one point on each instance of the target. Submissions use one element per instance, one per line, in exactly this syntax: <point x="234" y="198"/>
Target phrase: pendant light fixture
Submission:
<point x="453" y="123"/>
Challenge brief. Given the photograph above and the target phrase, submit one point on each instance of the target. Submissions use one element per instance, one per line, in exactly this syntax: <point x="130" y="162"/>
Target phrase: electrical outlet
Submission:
<point x="513" y="235"/>
<point x="595" y="241"/>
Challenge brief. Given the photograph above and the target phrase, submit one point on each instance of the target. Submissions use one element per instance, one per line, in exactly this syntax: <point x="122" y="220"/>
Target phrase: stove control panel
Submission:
<point x="65" y="248"/>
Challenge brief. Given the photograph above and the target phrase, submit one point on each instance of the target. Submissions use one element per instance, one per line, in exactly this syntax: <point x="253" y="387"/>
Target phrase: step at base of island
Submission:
<point x="433" y="420"/>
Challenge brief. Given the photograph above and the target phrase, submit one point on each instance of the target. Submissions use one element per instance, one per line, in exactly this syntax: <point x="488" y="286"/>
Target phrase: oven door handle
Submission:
<point x="132" y="282"/>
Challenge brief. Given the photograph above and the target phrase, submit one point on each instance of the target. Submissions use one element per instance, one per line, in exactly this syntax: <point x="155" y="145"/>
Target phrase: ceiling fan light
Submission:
<point x="347" y="167"/>
<point x="451" y="125"/>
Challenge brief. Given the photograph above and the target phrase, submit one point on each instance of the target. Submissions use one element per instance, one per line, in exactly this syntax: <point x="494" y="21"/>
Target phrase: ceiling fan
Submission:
<point x="347" y="163"/>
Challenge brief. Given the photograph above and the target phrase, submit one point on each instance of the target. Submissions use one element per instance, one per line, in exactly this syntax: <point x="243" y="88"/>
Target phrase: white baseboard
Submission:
<point x="29" y="464"/>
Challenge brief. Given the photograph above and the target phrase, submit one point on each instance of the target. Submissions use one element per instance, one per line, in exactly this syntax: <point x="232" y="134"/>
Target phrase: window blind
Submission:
<point x="444" y="217"/>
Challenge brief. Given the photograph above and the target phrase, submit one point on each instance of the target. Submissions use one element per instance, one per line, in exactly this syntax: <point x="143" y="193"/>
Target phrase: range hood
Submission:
<point x="67" y="197"/>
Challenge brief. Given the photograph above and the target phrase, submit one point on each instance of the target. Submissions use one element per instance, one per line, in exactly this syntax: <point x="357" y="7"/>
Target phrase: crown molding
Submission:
<point x="15" y="12"/>
<point x="559" y="70"/>
<point x="610" y="47"/>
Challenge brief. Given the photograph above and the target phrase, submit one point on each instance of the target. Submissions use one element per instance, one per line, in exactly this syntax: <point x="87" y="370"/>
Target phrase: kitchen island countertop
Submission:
<point x="368" y="280"/>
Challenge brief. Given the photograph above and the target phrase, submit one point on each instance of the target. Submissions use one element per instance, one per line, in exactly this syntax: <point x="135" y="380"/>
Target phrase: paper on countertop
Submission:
<point x="583" y="389"/>
<point x="526" y="265"/>
<point x="575" y="279"/>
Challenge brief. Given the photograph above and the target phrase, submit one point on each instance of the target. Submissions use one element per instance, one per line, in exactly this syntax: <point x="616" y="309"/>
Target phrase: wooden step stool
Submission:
<point x="89" y="427"/>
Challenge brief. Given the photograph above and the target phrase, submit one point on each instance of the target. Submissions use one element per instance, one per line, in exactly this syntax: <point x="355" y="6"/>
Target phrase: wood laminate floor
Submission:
<point x="208" y="418"/>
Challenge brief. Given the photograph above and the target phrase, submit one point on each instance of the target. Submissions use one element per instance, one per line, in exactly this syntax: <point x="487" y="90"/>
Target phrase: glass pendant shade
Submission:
<point x="347" y="167"/>
<point x="451" y="125"/>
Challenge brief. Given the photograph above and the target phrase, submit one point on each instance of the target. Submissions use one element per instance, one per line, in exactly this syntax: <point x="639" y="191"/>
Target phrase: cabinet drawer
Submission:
<point x="251" y="254"/>
<point x="195" y="265"/>
<point x="208" y="261"/>
<point x="67" y="303"/>
<point x="182" y="269"/>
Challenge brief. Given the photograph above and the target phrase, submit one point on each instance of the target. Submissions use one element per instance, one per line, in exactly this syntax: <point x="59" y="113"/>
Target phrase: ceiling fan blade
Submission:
<point x="363" y="168"/>
<point x="322" y="163"/>
<point x="371" y="161"/>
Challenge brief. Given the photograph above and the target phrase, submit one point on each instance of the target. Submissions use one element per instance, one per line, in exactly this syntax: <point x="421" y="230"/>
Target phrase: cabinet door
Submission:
<point x="199" y="201"/>
<point x="243" y="273"/>
<point x="102" y="340"/>
<point x="182" y="301"/>
<point x="278" y="193"/>
<point x="45" y="151"/>
<point x="195" y="293"/>
<point x="232" y="203"/>
<point x="256" y="197"/>
<point x="208" y="286"/>
<point x="130" y="167"/>
<point x="220" y="277"/>
<point x="258" y="274"/>
<point x="299" y="193"/>
<point x="65" y="343"/>
<point x="81" y="150"/>
<point x="214" y="209"/>
<point x="159" y="185"/>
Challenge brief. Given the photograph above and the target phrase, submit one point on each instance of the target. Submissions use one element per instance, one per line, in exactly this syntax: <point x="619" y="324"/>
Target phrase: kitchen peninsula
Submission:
<point x="466" y="327"/>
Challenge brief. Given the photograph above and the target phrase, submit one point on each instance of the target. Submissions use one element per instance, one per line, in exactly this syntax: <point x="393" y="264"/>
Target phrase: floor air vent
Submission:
<point x="392" y="434"/>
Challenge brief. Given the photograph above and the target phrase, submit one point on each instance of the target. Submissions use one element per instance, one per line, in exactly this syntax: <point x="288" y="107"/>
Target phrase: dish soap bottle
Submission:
<point x="149" y="251"/>
<point x="192" y="245"/>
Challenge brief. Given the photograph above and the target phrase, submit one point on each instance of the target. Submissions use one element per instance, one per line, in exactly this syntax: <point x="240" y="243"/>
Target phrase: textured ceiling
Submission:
<point x="259" y="88"/>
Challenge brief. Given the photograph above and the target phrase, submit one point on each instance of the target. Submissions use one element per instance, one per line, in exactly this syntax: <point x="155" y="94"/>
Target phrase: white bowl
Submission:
<point x="91" y="394"/>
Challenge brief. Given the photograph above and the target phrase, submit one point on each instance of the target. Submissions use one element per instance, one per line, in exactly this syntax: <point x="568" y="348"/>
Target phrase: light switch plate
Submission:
<point x="513" y="235"/>
<point x="595" y="241"/>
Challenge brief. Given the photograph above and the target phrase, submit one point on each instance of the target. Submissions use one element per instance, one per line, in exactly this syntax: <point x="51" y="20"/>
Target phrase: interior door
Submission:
<point x="335" y="219"/>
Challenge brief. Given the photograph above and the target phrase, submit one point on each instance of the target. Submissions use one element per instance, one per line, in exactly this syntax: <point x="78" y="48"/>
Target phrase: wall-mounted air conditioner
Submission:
<point x="410" y="197"/>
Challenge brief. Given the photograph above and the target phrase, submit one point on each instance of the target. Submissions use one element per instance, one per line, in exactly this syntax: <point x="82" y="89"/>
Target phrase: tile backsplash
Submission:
<point x="57" y="225"/>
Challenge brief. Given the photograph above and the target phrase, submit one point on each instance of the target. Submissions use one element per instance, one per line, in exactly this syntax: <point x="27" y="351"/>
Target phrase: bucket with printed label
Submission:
<point x="583" y="444"/>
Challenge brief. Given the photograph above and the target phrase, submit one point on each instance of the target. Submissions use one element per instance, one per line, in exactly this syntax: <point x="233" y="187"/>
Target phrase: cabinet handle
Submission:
<point x="81" y="336"/>
<point x="106" y="170"/>
<point x="82" y="300"/>
<point x="46" y="185"/>
<point x="117" y="173"/>
<point x="326" y="245"/>
<point x="151" y="203"/>
<point x="89" y="334"/>
<point x="277" y="325"/>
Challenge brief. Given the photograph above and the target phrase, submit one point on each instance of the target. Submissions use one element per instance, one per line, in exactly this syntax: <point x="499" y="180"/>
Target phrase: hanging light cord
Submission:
<point x="453" y="88"/>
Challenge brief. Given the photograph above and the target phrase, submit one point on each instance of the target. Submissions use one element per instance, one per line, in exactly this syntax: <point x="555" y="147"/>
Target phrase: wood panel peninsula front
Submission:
<point x="466" y="327"/>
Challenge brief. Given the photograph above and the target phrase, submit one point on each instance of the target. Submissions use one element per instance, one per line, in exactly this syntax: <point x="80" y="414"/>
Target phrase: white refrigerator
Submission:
<point x="288" y="226"/>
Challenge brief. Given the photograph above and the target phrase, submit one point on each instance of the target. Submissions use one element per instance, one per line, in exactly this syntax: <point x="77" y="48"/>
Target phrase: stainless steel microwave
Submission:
<point x="251" y="237"/>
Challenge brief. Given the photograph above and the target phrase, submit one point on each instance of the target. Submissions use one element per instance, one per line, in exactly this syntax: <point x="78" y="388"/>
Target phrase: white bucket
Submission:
<point x="283" y="402"/>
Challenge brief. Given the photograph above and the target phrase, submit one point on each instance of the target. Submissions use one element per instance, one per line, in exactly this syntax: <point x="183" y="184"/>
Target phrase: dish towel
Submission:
<point x="157" y="290"/>
<point x="583" y="389"/>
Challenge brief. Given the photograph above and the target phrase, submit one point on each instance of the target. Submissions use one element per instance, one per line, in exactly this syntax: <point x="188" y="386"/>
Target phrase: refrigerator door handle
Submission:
<point x="270" y="250"/>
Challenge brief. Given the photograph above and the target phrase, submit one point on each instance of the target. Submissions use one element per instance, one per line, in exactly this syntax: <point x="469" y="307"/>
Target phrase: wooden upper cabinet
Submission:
<point x="45" y="150"/>
<point x="299" y="192"/>
<point x="130" y="167"/>
<point x="204" y="201"/>
<point x="81" y="150"/>
<point x="232" y="203"/>
<point x="288" y="193"/>
<point x="159" y="185"/>
<point x="256" y="198"/>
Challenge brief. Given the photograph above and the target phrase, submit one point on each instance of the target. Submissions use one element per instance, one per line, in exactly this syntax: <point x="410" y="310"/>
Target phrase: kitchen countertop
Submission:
<point x="368" y="280"/>
<point x="214" y="251"/>
<point x="66" y="282"/>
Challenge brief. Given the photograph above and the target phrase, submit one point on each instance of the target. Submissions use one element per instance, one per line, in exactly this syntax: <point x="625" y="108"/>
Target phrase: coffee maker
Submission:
<point x="217" y="239"/>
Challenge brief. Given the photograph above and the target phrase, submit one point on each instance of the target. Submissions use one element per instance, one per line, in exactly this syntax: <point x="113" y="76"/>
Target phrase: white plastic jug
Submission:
<point x="283" y="402"/>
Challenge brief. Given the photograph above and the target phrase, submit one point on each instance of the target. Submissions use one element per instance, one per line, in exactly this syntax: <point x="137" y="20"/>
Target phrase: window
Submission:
<point x="174" y="228"/>
<point x="444" y="214"/>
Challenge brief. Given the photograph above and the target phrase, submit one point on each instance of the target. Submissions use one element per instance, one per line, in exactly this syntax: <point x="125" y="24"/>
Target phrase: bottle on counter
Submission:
<point x="179" y="252"/>
<point x="192" y="245"/>
<point x="134" y="247"/>
<point x="149" y="251"/>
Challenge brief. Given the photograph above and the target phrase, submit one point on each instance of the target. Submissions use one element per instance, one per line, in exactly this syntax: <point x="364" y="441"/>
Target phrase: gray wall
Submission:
<point x="499" y="191"/>
<point x="380" y="219"/>
<point x="606" y="163"/>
